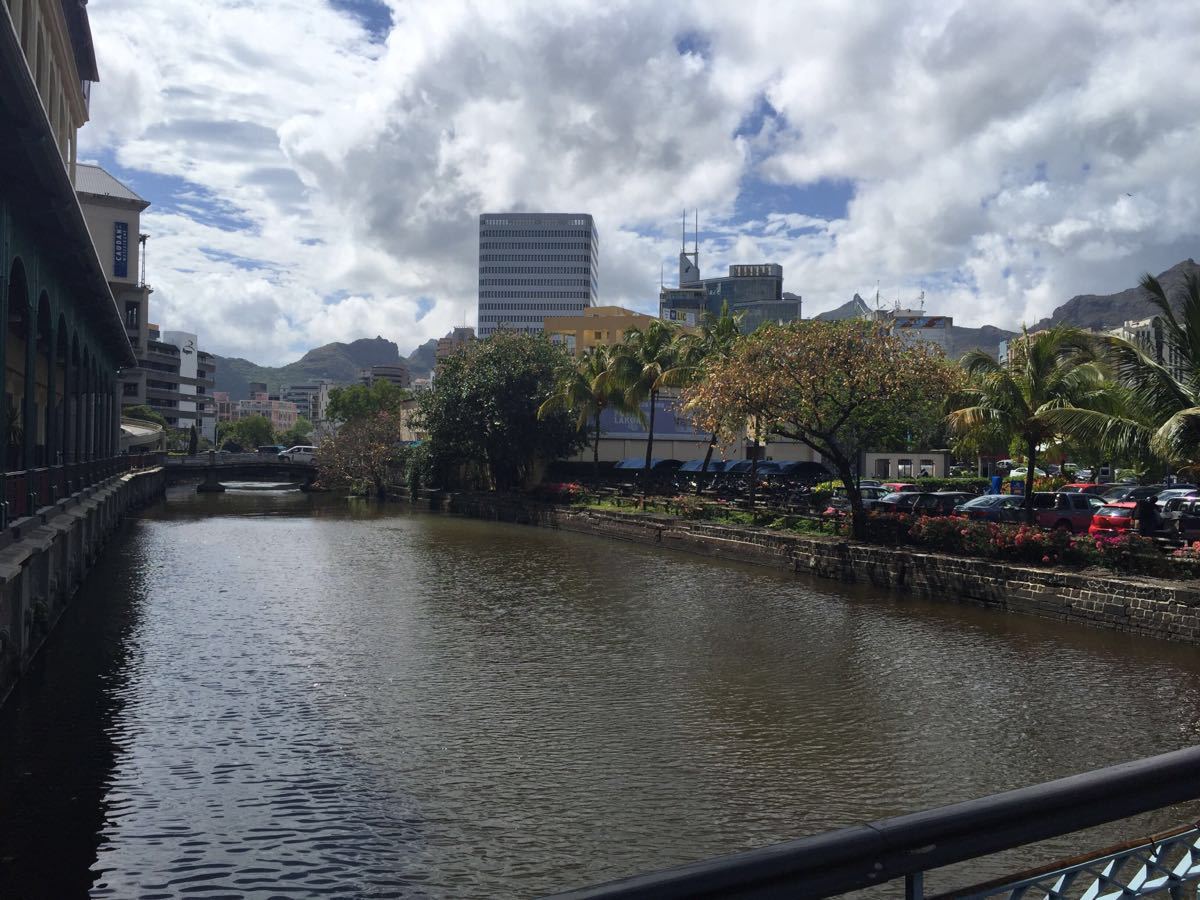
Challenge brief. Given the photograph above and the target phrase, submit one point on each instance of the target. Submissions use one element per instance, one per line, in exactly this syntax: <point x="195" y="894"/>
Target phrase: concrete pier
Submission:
<point x="45" y="557"/>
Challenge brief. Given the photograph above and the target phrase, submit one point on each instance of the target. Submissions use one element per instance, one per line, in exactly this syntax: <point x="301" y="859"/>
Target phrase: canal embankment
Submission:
<point x="1153" y="607"/>
<point x="45" y="557"/>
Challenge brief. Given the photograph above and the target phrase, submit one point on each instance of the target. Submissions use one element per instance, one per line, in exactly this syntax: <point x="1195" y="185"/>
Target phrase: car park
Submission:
<point x="895" y="502"/>
<point x="269" y="450"/>
<point x="840" y="502"/>
<point x="301" y="453"/>
<point x="1166" y="494"/>
<point x="1114" y="519"/>
<point x="1180" y="519"/>
<point x="900" y="487"/>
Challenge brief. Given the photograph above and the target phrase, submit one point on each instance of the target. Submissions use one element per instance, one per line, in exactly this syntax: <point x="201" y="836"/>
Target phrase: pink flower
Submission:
<point x="1045" y="559"/>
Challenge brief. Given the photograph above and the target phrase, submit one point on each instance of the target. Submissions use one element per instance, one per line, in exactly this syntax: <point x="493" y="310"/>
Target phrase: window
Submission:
<point x="904" y="468"/>
<point x="129" y="389"/>
<point x="131" y="314"/>
<point x="883" y="468"/>
<point x="926" y="468"/>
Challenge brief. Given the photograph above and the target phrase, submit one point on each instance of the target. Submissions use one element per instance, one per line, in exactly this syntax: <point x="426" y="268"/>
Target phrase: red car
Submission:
<point x="901" y="487"/>
<point x="1113" y="520"/>
<point x="1085" y="487"/>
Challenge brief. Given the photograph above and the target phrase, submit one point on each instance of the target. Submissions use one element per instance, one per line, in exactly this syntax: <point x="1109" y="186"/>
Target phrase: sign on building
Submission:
<point x="121" y="249"/>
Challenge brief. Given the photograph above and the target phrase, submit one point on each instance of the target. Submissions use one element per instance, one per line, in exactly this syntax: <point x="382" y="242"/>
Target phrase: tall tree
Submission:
<point x="645" y="362"/>
<point x="712" y="345"/>
<point x="832" y="386"/>
<point x="585" y="390"/>
<point x="364" y="453"/>
<point x="1046" y="371"/>
<point x="481" y="414"/>
<point x="359" y="401"/>
<point x="1159" y="412"/>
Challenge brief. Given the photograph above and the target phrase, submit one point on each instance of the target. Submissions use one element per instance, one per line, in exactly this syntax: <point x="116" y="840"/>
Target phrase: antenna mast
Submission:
<point x="683" y="231"/>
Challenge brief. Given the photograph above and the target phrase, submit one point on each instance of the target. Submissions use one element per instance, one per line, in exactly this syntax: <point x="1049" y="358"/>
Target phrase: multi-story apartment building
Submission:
<point x="311" y="398"/>
<point x="280" y="413"/>
<point x="755" y="292"/>
<point x="65" y="338"/>
<point x="1148" y="335"/>
<point x="456" y="339"/>
<point x="533" y="265"/>
<point x="397" y="374"/>
<point x="598" y="326"/>
<point x="172" y="376"/>
<point x="915" y="325"/>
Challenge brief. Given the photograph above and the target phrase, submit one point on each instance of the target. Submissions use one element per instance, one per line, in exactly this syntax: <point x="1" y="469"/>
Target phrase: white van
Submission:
<point x="301" y="453"/>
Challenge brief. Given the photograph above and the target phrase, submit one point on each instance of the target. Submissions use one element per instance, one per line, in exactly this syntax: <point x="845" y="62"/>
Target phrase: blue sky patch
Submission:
<point x="374" y="16"/>
<point x="825" y="199"/>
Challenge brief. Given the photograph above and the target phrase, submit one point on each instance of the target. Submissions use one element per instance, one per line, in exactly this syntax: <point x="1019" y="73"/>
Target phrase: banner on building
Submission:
<point x="120" y="249"/>
<point x="669" y="423"/>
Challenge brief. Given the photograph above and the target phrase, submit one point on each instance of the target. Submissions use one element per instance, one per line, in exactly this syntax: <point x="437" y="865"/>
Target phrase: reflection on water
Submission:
<point x="266" y="693"/>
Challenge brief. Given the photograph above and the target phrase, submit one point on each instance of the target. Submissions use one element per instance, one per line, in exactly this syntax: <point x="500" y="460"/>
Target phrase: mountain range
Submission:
<point x="340" y="363"/>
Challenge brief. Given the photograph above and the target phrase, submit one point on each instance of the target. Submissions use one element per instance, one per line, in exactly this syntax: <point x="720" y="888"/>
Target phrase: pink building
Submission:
<point x="280" y="413"/>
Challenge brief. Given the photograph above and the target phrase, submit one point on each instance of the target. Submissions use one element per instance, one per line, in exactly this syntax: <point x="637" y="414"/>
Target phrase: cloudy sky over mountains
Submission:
<point x="317" y="167"/>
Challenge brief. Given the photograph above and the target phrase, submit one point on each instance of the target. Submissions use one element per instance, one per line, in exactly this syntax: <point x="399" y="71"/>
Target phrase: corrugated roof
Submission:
<point x="94" y="180"/>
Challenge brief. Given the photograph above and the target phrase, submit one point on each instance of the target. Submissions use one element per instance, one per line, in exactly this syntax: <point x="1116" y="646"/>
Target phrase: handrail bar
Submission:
<point x="861" y="856"/>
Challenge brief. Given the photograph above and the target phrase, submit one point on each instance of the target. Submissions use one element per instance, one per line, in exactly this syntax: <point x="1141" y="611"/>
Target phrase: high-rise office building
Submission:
<point x="533" y="265"/>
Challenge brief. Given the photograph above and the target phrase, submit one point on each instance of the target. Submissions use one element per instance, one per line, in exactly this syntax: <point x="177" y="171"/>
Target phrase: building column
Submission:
<point x="89" y="415"/>
<point x="65" y="422"/>
<point x="52" y="445"/>
<point x="29" y="408"/>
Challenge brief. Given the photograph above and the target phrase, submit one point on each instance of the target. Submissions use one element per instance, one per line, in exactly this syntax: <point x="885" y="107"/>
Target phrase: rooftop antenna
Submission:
<point x="683" y="242"/>
<point x="696" y="236"/>
<point x="921" y="298"/>
<point x="142" y="240"/>
<point x="661" y="277"/>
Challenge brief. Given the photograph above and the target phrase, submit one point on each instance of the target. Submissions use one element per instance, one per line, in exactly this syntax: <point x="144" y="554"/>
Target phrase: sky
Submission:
<point x="317" y="168"/>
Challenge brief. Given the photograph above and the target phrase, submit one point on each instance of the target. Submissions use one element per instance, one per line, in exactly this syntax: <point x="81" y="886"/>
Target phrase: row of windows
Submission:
<point x="518" y="295"/>
<point x="492" y="330"/>
<point x="511" y="318"/>
<point x="565" y="282"/>
<point x="532" y="245"/>
<point x="527" y="222"/>
<point x="535" y="270"/>
<point x="490" y="232"/>
<point x="518" y="257"/>
<point x="570" y="307"/>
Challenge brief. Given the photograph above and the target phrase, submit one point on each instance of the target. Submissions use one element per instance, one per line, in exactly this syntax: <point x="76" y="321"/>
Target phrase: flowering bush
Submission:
<point x="560" y="492"/>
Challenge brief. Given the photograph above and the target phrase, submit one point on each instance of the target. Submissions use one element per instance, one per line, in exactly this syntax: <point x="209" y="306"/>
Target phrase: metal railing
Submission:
<point x="906" y="847"/>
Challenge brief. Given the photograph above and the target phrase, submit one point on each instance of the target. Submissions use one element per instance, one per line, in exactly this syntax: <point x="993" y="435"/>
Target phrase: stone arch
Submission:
<point x="16" y="337"/>
<point x="43" y="381"/>
<point x="74" y="401"/>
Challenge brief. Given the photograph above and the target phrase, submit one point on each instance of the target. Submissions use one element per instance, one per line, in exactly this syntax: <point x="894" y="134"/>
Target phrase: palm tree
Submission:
<point x="586" y="389"/>
<point x="646" y="361"/>
<point x="714" y="343"/>
<point x="1159" y="409"/>
<point x="1047" y="371"/>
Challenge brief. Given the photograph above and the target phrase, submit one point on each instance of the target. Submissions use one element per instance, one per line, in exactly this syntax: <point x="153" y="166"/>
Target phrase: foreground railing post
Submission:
<point x="914" y="886"/>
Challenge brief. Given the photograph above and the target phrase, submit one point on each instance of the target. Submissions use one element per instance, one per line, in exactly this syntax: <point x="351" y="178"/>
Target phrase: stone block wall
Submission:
<point x="45" y="557"/>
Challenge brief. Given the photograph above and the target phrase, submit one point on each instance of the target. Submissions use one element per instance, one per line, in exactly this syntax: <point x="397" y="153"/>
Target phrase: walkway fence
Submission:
<point x="903" y="849"/>
<point x="26" y="491"/>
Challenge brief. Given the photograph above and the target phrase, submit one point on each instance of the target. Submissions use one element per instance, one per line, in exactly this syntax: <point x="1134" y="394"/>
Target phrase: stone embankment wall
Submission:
<point x="1151" y="607"/>
<point x="44" y="558"/>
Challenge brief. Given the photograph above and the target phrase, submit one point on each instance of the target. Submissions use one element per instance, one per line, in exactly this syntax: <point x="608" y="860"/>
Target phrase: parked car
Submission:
<point x="1114" y="519"/>
<point x="1180" y="518"/>
<point x="895" y="502"/>
<point x="840" y="502"/>
<point x="992" y="508"/>
<point x="302" y="453"/>
<point x="269" y="450"/>
<point x="1063" y="509"/>
<point x="1187" y="490"/>
<point x="1022" y="471"/>
<point x="1131" y="492"/>
<point x="900" y="487"/>
<point x="1084" y="487"/>
<point x="940" y="503"/>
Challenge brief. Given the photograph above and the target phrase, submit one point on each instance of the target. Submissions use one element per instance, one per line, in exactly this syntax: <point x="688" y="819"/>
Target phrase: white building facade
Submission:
<point x="533" y="265"/>
<point x="1148" y="335"/>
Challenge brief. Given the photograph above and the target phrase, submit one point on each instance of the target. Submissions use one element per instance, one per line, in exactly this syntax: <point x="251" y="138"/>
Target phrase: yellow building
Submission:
<point x="598" y="326"/>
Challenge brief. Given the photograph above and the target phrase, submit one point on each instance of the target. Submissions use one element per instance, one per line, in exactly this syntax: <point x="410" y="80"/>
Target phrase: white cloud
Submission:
<point x="1004" y="156"/>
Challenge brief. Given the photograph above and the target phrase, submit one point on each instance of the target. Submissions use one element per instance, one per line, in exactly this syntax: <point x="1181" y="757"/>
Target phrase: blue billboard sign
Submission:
<point x="669" y="422"/>
<point x="120" y="249"/>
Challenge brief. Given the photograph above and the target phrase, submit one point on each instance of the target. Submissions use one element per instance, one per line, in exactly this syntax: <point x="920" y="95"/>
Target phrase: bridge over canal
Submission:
<point x="213" y="469"/>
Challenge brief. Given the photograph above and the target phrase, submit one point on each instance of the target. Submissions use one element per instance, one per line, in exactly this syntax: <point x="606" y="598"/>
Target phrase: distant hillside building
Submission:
<point x="311" y="398"/>
<point x="533" y="265"/>
<point x="600" y="325"/>
<point x="916" y="325"/>
<point x="753" y="291"/>
<point x="454" y="341"/>
<point x="396" y="373"/>
<point x="281" y="413"/>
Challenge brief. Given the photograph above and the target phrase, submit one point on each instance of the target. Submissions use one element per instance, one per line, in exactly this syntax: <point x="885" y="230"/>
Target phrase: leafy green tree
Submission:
<point x="358" y="401"/>
<point x="300" y="433"/>
<point x="586" y="390"/>
<point x="643" y="364"/>
<point x="1158" y="411"/>
<point x="248" y="433"/>
<point x="831" y="386"/>
<point x="1046" y="371"/>
<point x="481" y="415"/>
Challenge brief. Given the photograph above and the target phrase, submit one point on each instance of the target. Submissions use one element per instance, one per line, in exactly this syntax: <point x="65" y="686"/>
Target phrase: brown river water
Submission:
<point x="269" y="694"/>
